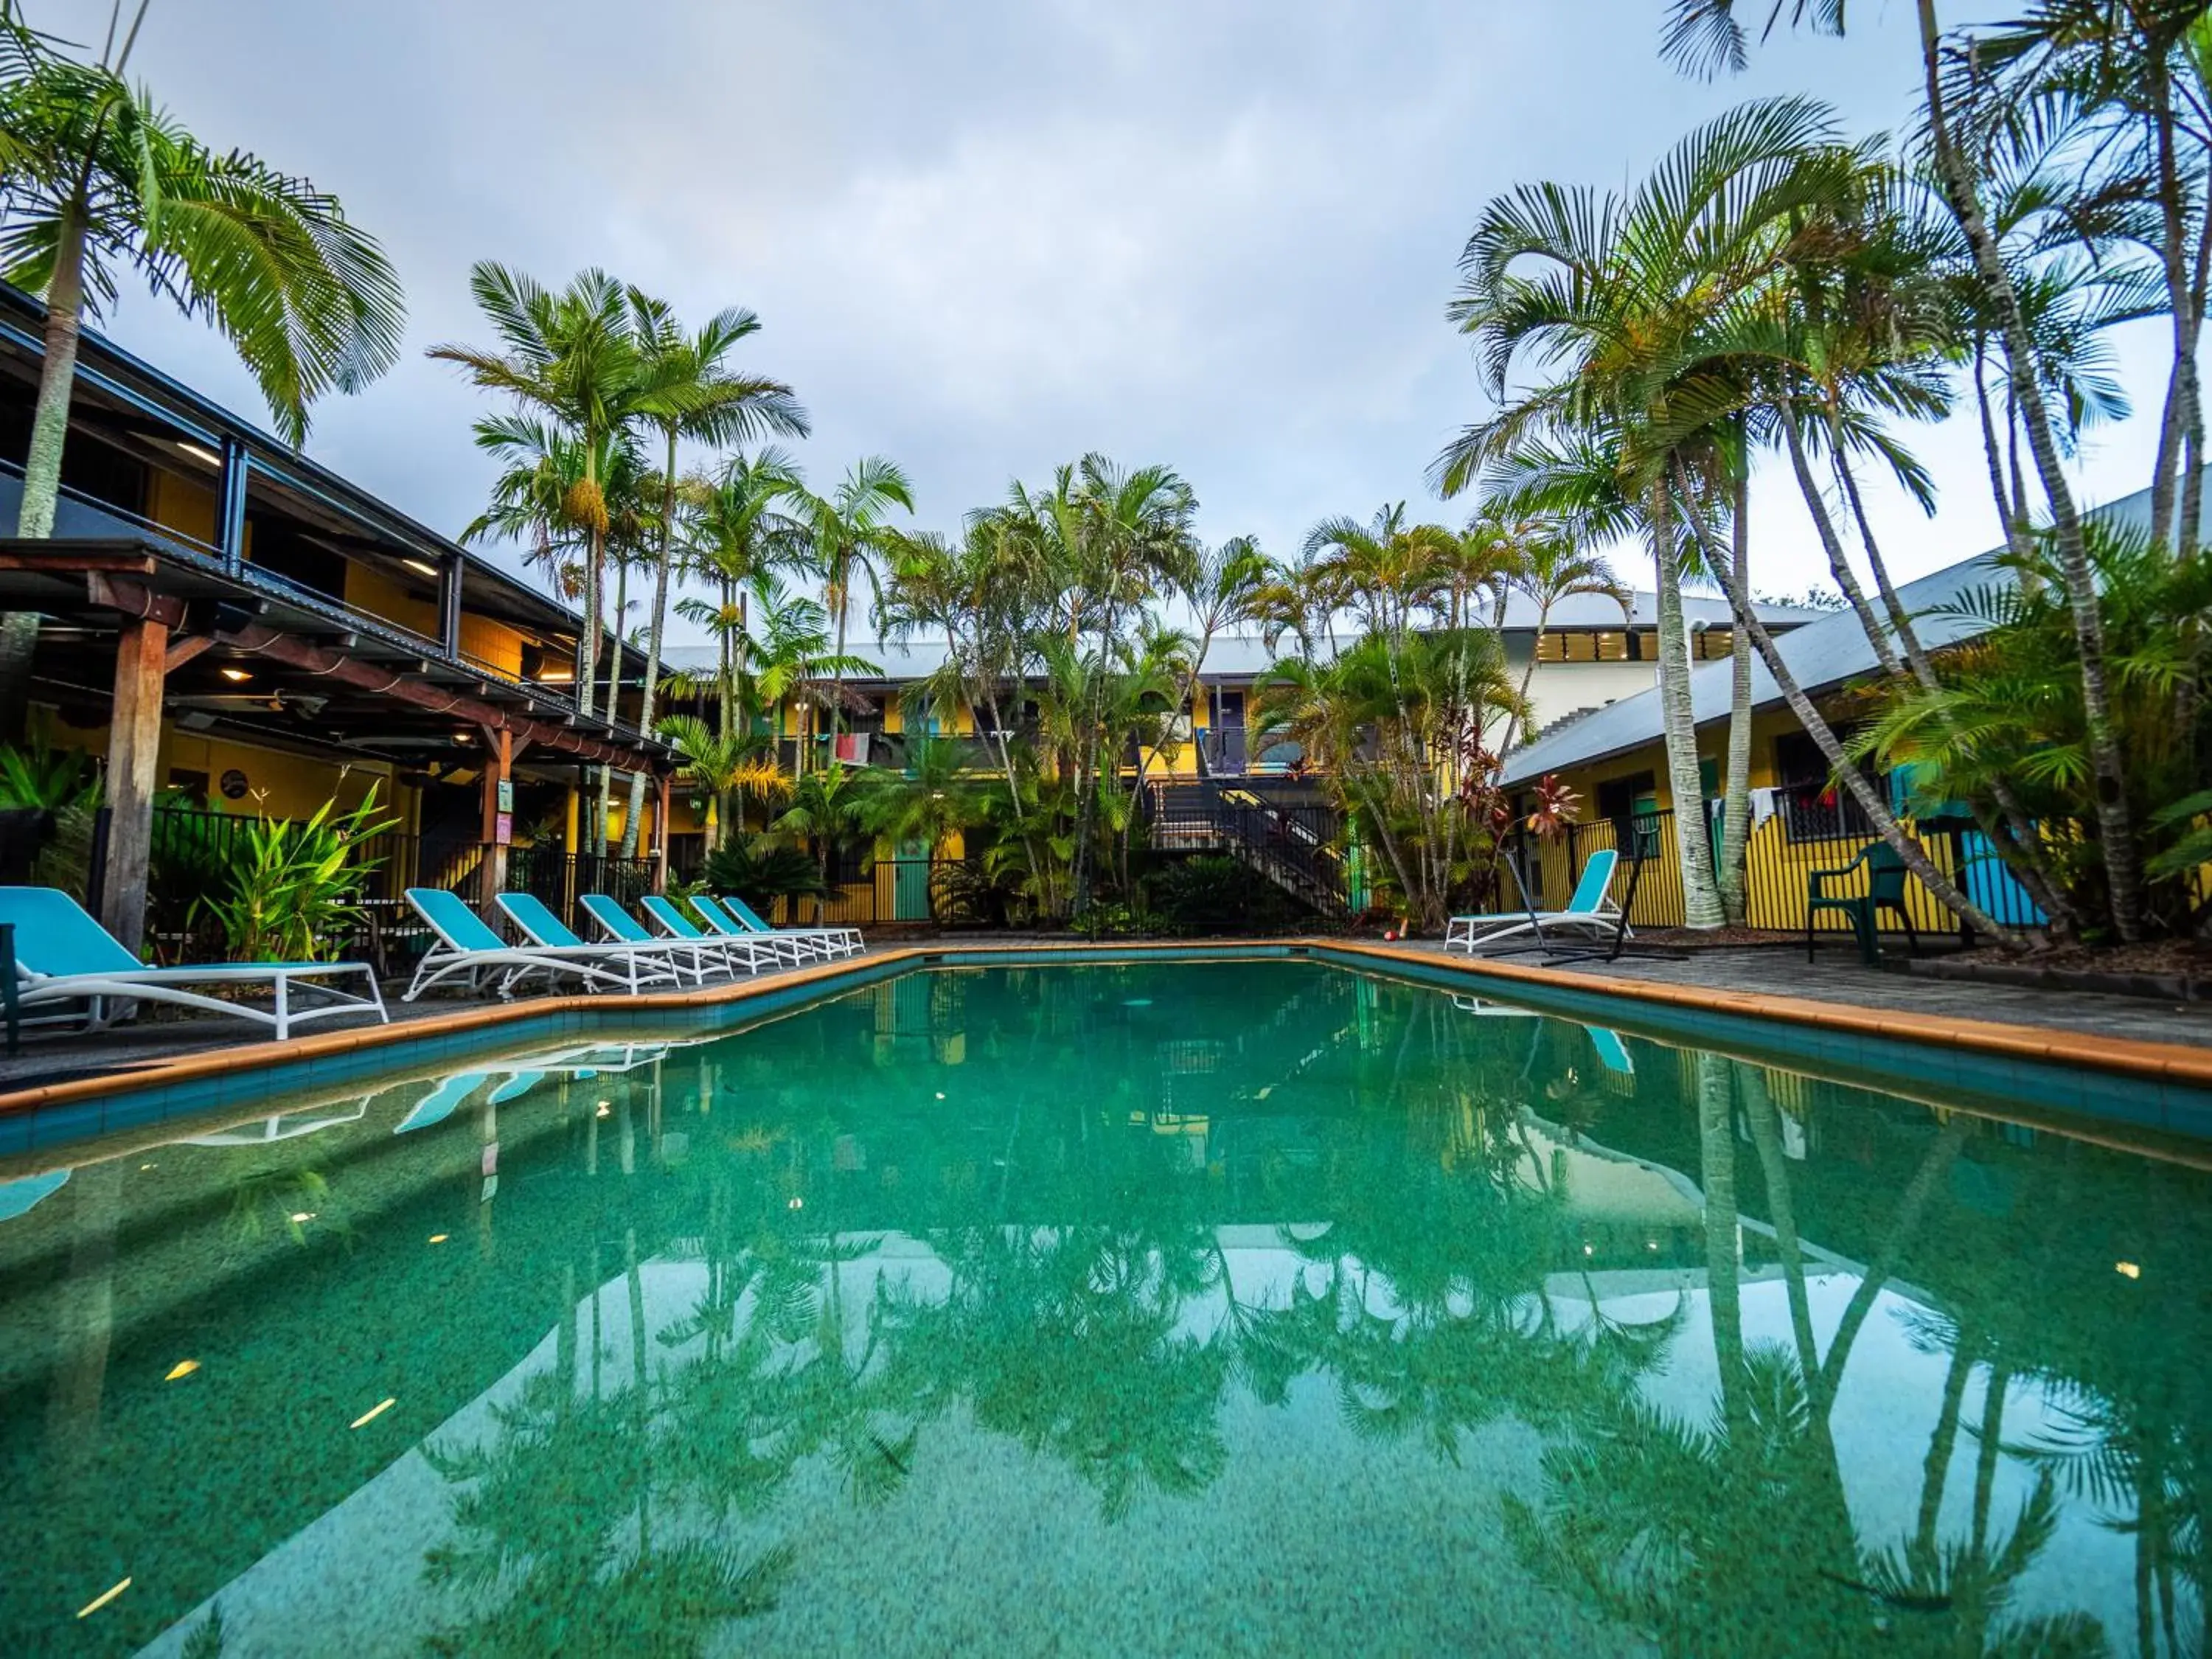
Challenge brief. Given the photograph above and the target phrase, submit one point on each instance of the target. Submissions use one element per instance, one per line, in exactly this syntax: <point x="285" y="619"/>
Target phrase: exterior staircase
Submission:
<point x="1290" y="835"/>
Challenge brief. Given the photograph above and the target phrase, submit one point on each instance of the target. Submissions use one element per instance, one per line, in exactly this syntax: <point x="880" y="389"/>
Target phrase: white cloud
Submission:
<point x="987" y="237"/>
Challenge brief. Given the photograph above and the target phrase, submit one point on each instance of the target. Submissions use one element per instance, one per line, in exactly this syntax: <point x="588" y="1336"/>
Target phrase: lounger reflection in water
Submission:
<point x="588" y="1060"/>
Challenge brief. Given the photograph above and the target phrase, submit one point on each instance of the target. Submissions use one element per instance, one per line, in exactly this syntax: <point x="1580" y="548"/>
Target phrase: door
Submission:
<point x="910" y="883"/>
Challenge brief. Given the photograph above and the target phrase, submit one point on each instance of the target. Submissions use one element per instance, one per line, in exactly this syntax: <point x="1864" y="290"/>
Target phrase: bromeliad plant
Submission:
<point x="295" y="888"/>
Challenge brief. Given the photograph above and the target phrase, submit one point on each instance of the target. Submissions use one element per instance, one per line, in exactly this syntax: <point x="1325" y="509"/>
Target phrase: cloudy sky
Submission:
<point x="985" y="237"/>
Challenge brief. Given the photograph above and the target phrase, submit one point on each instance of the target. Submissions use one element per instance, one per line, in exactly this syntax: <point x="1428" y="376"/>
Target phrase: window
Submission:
<point x="1812" y="808"/>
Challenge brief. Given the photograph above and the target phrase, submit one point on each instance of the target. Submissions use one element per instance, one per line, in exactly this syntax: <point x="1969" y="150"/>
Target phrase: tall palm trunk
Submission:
<point x="837" y="679"/>
<point x="1816" y="726"/>
<point x="1735" y="798"/>
<point x="1832" y="543"/>
<point x="1701" y="899"/>
<point x="614" y="707"/>
<point x="588" y="673"/>
<point x="2122" y="857"/>
<point x="2017" y="840"/>
<point x="653" y="655"/>
<point x="42" y="467"/>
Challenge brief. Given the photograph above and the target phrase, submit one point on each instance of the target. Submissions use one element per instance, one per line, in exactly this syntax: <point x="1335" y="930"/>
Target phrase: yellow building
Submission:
<point x="1615" y="761"/>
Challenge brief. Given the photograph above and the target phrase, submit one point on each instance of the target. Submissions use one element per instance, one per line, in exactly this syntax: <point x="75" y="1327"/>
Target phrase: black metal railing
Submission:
<point x="193" y="853"/>
<point x="921" y="891"/>
<point x="1295" y="842"/>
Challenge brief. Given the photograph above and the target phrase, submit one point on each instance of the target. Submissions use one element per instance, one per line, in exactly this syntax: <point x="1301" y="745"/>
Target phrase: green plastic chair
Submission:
<point x="1885" y="874"/>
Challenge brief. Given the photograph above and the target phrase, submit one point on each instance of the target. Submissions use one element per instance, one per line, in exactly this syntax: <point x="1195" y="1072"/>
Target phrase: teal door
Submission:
<point x="910" y="883"/>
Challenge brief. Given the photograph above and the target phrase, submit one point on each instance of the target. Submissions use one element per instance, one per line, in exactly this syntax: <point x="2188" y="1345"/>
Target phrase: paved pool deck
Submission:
<point x="1776" y="970"/>
<point x="161" y="1048"/>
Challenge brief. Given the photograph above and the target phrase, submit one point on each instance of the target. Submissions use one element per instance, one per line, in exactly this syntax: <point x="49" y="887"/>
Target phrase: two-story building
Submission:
<point x="230" y="625"/>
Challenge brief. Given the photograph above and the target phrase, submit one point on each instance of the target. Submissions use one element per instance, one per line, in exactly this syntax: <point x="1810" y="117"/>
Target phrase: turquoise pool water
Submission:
<point x="1250" y="1307"/>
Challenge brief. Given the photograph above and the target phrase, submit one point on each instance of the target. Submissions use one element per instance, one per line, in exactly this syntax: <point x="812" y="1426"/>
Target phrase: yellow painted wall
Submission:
<point x="182" y="506"/>
<point x="281" y="785"/>
<point x="894" y="713"/>
<point x="368" y="590"/>
<point x="495" y="645"/>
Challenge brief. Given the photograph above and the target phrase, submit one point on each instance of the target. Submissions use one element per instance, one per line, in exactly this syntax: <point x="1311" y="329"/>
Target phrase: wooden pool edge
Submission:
<point x="2150" y="1062"/>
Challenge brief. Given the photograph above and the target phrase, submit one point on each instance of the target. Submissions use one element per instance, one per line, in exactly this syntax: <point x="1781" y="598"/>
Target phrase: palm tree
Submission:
<point x="1705" y="35"/>
<point x="931" y="798"/>
<point x="739" y="534"/>
<point x="1604" y="290"/>
<point x="1119" y="530"/>
<point x="689" y="393"/>
<point x="571" y="356"/>
<point x="823" y="809"/>
<point x="95" y="176"/>
<point x="1389" y="567"/>
<point x="720" y="764"/>
<point x="851" y="538"/>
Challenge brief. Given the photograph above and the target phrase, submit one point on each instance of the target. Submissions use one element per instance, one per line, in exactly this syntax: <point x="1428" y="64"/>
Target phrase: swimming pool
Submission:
<point x="1177" y="1306"/>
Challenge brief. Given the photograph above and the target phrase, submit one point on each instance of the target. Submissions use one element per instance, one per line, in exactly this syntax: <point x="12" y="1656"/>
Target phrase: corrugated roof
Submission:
<point x="1247" y="656"/>
<point x="1821" y="655"/>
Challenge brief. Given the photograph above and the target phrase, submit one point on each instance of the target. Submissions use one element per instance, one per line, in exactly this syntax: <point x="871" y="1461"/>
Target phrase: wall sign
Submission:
<point x="233" y="785"/>
<point x="506" y="794"/>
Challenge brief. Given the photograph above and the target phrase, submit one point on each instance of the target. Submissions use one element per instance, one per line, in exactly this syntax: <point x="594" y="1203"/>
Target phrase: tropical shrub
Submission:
<point x="2007" y="711"/>
<point x="760" y="871"/>
<point x="1213" y="894"/>
<point x="67" y="784"/>
<point x="294" y="890"/>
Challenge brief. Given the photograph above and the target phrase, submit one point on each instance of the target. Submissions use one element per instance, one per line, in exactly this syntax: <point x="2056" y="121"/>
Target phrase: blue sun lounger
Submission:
<point x="538" y="923"/>
<point x="467" y="947"/>
<point x="619" y="924"/>
<point x="67" y="962"/>
<point x="737" y="914"/>
<point x="1591" y="910"/>
<point x="675" y="925"/>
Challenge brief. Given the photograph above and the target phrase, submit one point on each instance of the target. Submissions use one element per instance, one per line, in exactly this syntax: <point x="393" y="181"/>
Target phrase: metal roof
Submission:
<point x="1234" y="656"/>
<point x="134" y="384"/>
<point x="1822" y="655"/>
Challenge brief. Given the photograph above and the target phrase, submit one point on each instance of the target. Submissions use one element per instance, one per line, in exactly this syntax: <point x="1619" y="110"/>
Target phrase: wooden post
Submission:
<point x="499" y="760"/>
<point x="134" y="751"/>
<point x="660" y="834"/>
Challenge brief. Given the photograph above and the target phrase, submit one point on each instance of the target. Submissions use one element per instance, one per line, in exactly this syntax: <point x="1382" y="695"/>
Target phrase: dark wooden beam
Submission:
<point x="65" y="564"/>
<point x="183" y="651"/>
<point x="326" y="663"/>
<point x="134" y="599"/>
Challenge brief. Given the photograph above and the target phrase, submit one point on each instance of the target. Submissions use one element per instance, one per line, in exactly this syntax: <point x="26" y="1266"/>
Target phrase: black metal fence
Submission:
<point x="195" y="856"/>
<point x="941" y="893"/>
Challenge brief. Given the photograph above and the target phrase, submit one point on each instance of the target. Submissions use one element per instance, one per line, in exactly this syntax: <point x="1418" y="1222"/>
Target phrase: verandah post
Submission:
<point x="134" y="749"/>
<point x="499" y="761"/>
<point x="660" y="834"/>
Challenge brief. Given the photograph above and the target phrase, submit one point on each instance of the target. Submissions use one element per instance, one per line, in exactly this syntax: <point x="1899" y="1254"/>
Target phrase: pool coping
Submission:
<point x="2126" y="1057"/>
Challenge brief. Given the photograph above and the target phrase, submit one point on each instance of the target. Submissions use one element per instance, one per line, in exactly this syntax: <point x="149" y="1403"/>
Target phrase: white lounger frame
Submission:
<point x="39" y="991"/>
